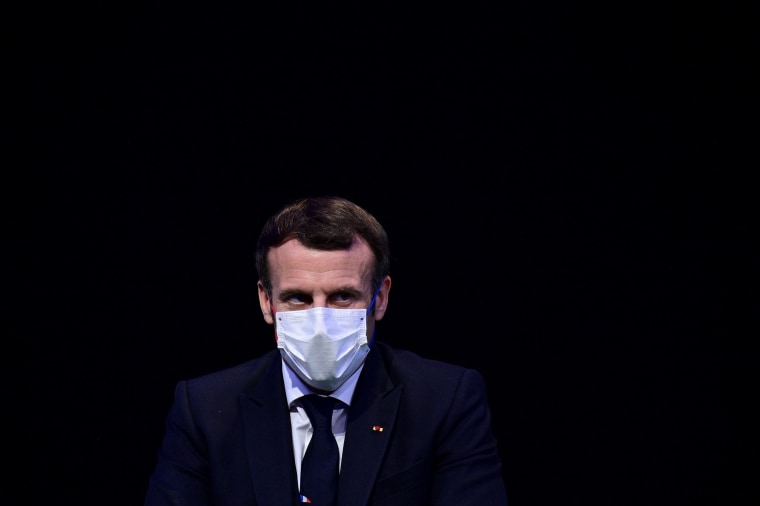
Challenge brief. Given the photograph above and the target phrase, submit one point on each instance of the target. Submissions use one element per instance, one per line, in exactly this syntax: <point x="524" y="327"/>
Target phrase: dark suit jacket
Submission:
<point x="228" y="438"/>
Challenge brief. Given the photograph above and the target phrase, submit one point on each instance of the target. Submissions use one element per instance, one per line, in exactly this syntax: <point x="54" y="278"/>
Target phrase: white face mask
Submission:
<point x="323" y="346"/>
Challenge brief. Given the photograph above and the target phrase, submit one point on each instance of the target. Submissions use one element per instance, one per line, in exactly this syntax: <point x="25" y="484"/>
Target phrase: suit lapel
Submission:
<point x="371" y="422"/>
<point x="268" y="440"/>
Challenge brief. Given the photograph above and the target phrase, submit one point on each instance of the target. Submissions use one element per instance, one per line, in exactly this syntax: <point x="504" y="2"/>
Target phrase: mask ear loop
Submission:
<point x="371" y="304"/>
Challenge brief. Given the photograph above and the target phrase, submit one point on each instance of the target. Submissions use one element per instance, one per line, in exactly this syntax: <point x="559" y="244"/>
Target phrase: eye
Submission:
<point x="296" y="299"/>
<point x="344" y="298"/>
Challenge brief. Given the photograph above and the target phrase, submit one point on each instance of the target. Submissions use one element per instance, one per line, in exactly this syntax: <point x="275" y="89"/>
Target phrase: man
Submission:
<point x="409" y="431"/>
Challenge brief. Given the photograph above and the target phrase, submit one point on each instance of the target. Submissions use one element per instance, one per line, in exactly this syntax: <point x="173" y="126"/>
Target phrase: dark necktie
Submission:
<point x="319" y="468"/>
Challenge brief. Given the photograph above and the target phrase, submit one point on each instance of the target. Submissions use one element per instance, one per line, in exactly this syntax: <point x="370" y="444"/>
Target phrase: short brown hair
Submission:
<point x="325" y="223"/>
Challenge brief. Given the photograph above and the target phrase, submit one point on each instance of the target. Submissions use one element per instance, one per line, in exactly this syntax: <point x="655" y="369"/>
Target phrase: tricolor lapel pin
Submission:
<point x="377" y="428"/>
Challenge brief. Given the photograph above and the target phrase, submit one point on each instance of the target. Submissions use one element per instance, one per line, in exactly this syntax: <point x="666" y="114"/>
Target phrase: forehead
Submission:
<point x="294" y="266"/>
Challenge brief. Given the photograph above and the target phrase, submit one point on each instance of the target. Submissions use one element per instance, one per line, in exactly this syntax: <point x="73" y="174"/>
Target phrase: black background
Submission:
<point x="547" y="173"/>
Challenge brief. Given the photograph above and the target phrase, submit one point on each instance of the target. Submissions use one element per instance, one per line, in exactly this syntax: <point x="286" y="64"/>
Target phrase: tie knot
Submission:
<point x="319" y="409"/>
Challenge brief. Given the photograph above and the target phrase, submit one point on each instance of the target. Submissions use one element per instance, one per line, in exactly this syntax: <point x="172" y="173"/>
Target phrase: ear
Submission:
<point x="381" y="303"/>
<point x="265" y="303"/>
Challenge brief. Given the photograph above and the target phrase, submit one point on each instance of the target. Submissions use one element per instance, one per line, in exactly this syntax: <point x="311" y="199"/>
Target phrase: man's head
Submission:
<point x="323" y="282"/>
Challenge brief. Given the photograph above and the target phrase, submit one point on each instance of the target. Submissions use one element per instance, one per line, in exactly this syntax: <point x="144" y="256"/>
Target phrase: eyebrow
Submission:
<point x="289" y="292"/>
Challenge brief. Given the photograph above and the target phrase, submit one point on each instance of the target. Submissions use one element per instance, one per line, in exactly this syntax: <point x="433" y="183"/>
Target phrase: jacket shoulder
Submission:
<point x="236" y="379"/>
<point x="409" y="367"/>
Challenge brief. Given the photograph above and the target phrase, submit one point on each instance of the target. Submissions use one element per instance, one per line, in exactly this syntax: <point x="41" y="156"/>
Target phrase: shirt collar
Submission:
<point x="295" y="388"/>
